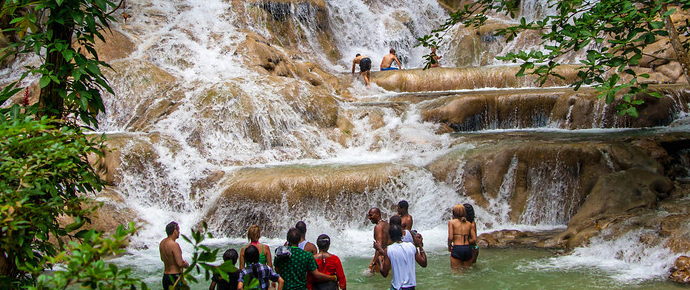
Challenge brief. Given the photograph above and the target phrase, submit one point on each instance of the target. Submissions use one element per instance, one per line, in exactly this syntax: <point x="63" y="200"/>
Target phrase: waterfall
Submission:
<point x="373" y="27"/>
<point x="202" y="136"/>
<point x="555" y="194"/>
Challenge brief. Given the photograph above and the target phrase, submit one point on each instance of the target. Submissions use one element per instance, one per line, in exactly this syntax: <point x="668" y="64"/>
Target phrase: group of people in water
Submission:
<point x="300" y="264"/>
<point x="386" y="63"/>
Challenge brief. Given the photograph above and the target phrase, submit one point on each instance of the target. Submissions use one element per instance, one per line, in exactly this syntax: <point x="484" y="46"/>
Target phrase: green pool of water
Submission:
<point x="495" y="269"/>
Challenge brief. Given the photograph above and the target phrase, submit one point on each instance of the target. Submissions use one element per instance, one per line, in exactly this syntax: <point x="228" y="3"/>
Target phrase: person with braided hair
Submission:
<point x="460" y="236"/>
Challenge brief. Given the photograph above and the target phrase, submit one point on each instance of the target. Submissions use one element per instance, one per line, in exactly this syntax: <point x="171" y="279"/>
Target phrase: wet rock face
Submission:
<point x="621" y="192"/>
<point x="515" y="238"/>
<point x="543" y="182"/>
<point x="284" y="19"/>
<point x="297" y="189"/>
<point x="681" y="270"/>
<point x="561" y="108"/>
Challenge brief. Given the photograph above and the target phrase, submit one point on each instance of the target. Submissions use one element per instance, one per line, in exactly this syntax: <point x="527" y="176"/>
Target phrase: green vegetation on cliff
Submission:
<point x="613" y="34"/>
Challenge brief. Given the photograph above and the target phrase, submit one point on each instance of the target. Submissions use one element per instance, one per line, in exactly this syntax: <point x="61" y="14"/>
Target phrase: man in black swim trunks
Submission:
<point x="171" y="255"/>
<point x="364" y="67"/>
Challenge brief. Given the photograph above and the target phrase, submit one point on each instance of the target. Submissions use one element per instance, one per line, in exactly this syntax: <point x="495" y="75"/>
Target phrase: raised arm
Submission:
<point x="420" y="255"/>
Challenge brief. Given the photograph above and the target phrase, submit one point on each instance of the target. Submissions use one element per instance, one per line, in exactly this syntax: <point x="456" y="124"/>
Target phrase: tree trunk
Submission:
<point x="681" y="53"/>
<point x="50" y="102"/>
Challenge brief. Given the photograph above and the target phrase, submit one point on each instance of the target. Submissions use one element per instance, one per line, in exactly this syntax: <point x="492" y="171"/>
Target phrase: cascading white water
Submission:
<point x="373" y="27"/>
<point x="249" y="123"/>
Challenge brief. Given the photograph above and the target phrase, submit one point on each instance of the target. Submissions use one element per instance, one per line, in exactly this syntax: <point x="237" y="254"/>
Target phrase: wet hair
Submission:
<point x="170" y="228"/>
<point x="395" y="220"/>
<point x="459" y="212"/>
<point x="395" y="232"/>
<point x="251" y="256"/>
<point x="403" y="204"/>
<point x="469" y="212"/>
<point x="376" y="210"/>
<point x="253" y="233"/>
<point x="392" y="50"/>
<point x="293" y="236"/>
<point x="302" y="227"/>
<point x="357" y="55"/>
<point x="231" y="254"/>
<point x="323" y="242"/>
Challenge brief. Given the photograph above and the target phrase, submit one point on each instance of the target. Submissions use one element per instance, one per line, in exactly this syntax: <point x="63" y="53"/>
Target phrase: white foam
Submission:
<point x="625" y="259"/>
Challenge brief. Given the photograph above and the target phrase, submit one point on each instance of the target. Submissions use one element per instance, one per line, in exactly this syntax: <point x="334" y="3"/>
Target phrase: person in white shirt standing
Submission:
<point x="401" y="258"/>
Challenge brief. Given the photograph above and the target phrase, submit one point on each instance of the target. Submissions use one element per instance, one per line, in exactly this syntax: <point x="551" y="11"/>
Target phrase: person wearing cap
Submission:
<point x="329" y="264"/>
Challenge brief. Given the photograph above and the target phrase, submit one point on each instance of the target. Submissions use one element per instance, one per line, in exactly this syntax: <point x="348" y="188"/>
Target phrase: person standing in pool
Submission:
<point x="388" y="61"/>
<point x="217" y="281"/>
<point x="303" y="243"/>
<point x="253" y="235"/>
<point x="295" y="268"/>
<point x="401" y="258"/>
<point x="407" y="235"/>
<point x="329" y="264"/>
<point x="171" y="255"/>
<point x="406" y="217"/>
<point x="460" y="236"/>
<point x="470" y="218"/>
<point x="380" y="235"/>
<point x="364" y="67"/>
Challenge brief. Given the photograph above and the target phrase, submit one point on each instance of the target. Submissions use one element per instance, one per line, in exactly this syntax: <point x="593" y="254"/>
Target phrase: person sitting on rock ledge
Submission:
<point x="388" y="61"/>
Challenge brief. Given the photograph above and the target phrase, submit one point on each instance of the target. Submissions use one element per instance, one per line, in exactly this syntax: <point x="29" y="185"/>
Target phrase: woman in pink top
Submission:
<point x="329" y="264"/>
<point x="253" y="234"/>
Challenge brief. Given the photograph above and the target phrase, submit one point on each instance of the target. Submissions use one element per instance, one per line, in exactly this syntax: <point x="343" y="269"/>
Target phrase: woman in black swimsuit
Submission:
<point x="460" y="236"/>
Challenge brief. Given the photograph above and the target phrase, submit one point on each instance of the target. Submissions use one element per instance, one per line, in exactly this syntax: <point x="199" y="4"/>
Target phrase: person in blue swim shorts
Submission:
<point x="388" y="61"/>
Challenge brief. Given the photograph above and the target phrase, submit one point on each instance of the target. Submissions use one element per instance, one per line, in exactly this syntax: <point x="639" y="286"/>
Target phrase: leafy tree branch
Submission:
<point x="612" y="34"/>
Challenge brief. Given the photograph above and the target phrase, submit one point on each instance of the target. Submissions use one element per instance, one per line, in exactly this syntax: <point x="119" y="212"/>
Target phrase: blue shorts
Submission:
<point x="389" y="68"/>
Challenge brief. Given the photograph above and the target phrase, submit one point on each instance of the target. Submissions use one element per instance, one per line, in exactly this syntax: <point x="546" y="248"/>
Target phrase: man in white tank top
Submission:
<point x="303" y="243"/>
<point x="401" y="257"/>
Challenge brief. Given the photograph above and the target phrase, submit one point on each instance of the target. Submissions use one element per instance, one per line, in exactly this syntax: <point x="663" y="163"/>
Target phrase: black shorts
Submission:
<point x="364" y="64"/>
<point x="169" y="280"/>
<point x="462" y="252"/>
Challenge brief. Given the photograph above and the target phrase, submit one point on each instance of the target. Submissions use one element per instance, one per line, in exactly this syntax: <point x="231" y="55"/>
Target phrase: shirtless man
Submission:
<point x="388" y="60"/>
<point x="405" y="215"/>
<point x="171" y="255"/>
<point x="380" y="235"/>
<point x="364" y="66"/>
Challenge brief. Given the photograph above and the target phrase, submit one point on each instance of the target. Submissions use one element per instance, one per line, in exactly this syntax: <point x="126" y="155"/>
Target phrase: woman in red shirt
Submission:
<point x="329" y="264"/>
